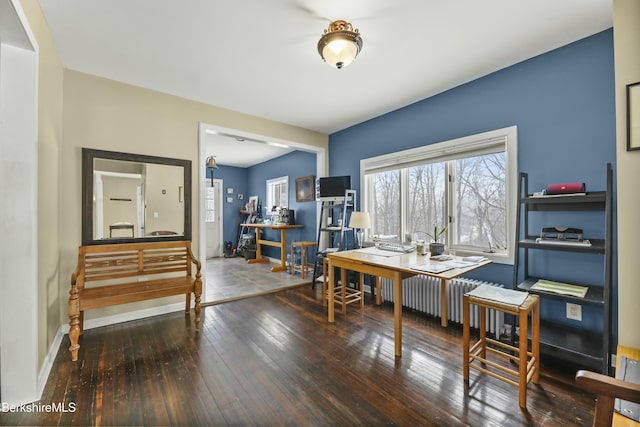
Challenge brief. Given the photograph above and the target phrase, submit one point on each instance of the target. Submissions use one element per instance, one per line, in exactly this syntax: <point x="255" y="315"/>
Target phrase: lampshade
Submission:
<point x="211" y="162"/>
<point x="340" y="44"/>
<point x="360" y="220"/>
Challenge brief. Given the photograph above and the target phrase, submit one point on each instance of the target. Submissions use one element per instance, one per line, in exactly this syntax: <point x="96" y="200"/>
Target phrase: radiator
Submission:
<point x="422" y="293"/>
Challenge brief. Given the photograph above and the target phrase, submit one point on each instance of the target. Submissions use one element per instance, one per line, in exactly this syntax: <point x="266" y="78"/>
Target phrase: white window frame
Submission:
<point x="271" y="184"/>
<point x="449" y="150"/>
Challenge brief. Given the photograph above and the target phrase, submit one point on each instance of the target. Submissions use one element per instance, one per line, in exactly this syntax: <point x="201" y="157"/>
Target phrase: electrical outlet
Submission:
<point x="574" y="311"/>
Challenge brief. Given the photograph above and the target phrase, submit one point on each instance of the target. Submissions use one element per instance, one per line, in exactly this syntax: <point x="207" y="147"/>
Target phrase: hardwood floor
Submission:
<point x="274" y="360"/>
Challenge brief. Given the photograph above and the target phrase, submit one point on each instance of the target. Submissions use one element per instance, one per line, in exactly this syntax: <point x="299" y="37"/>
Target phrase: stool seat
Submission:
<point x="303" y="267"/>
<point x="528" y="362"/>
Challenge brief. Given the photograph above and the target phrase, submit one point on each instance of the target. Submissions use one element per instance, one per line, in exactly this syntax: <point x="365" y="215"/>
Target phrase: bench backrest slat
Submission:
<point x="107" y="262"/>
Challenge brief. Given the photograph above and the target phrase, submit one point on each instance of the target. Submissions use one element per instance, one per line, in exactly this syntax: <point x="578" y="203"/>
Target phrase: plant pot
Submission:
<point x="436" y="248"/>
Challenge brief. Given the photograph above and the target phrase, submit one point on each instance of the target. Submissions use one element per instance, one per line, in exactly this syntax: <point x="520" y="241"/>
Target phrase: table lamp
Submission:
<point x="359" y="221"/>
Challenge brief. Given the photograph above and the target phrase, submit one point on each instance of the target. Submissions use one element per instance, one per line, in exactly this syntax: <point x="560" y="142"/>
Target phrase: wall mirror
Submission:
<point x="134" y="198"/>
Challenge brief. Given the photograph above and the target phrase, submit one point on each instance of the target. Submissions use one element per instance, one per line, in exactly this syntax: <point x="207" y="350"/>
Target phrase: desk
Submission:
<point x="282" y="244"/>
<point x="395" y="267"/>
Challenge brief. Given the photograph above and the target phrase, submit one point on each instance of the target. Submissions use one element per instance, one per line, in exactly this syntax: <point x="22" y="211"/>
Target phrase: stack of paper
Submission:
<point x="560" y="288"/>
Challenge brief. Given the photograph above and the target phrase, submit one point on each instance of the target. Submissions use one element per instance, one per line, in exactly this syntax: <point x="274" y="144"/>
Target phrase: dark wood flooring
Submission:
<point x="274" y="360"/>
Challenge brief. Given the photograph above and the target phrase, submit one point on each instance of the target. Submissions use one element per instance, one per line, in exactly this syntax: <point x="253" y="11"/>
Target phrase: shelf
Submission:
<point x="597" y="246"/>
<point x="573" y="343"/>
<point x="583" y="349"/>
<point x="595" y="294"/>
<point x="593" y="201"/>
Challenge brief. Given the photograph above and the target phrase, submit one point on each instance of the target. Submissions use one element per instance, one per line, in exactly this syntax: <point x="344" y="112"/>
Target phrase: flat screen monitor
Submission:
<point x="332" y="187"/>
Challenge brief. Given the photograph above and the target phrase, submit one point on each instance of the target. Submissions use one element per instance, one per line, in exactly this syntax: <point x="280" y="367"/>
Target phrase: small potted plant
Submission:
<point x="436" y="247"/>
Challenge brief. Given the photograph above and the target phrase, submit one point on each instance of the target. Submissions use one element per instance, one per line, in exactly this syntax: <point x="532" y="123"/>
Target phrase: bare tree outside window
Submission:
<point x="426" y="198"/>
<point x="460" y="185"/>
<point x="385" y="203"/>
<point x="481" y="201"/>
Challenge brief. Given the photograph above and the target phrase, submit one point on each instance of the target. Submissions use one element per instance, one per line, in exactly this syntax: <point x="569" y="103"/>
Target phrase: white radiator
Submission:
<point x="422" y="293"/>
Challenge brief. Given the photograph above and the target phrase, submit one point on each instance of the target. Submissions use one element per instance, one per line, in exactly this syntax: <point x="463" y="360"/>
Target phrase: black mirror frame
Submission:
<point x="88" y="155"/>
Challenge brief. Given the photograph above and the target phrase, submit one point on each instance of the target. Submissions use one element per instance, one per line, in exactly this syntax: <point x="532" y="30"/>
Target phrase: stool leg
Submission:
<point x="465" y="337"/>
<point x="293" y="264"/>
<point x="343" y="289"/>
<point x="522" y="370"/>
<point x="483" y="331"/>
<point x="535" y="341"/>
<point x="303" y="262"/>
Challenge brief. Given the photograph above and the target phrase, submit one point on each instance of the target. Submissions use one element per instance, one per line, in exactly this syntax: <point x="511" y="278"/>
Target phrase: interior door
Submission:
<point x="213" y="218"/>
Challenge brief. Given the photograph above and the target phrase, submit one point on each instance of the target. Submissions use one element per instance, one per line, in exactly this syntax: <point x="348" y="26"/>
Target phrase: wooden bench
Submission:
<point x="121" y="273"/>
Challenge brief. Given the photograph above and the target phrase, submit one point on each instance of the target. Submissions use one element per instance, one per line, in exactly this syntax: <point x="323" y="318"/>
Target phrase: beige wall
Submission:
<point x="50" y="109"/>
<point x="626" y="35"/>
<point x="104" y="114"/>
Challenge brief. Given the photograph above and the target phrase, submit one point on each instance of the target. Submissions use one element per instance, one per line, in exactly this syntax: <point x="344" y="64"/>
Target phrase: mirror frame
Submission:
<point x="88" y="156"/>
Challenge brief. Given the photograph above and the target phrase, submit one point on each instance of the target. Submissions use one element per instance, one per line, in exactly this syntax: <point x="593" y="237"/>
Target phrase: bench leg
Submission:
<point x="197" y="292"/>
<point x="73" y="309"/>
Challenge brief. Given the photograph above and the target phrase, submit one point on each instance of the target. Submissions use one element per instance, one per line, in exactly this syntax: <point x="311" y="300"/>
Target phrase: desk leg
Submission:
<point x="397" y="312"/>
<point x="283" y="252"/>
<point x="378" y="290"/>
<point x="331" y="309"/>
<point x="444" y="302"/>
<point x="466" y="336"/>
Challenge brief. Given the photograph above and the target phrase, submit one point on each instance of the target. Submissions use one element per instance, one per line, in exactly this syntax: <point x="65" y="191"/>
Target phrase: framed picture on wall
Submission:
<point x="305" y="189"/>
<point x="633" y="116"/>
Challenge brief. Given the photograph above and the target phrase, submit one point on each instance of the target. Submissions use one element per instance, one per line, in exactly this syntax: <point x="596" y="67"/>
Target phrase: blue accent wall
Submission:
<point x="294" y="165"/>
<point x="252" y="181"/>
<point x="235" y="178"/>
<point x="563" y="103"/>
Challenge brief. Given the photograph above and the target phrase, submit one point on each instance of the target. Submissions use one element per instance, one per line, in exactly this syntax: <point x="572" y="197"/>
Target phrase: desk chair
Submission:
<point x="607" y="389"/>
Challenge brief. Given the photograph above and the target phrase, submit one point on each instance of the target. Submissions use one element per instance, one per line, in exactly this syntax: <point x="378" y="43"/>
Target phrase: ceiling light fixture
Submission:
<point x="340" y="44"/>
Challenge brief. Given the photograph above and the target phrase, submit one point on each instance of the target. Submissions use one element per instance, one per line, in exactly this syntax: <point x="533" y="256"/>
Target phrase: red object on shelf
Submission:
<point x="566" y="188"/>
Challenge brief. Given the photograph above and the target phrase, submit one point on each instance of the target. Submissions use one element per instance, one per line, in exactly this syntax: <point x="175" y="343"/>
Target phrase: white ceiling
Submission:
<point x="260" y="57"/>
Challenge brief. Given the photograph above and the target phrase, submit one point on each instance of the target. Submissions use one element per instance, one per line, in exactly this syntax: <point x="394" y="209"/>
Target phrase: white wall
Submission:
<point x="19" y="213"/>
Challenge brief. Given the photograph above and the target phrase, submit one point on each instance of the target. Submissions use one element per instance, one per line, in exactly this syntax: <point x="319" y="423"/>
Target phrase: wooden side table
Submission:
<point x="528" y="362"/>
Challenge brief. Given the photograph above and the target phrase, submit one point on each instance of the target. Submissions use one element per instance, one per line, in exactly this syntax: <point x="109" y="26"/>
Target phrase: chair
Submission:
<point x="606" y="389"/>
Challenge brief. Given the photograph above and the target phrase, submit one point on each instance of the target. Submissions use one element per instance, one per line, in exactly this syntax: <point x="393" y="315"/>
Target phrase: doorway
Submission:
<point x="213" y="218"/>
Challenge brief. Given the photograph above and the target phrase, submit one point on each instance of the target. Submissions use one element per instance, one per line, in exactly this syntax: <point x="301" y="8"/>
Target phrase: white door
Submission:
<point x="213" y="218"/>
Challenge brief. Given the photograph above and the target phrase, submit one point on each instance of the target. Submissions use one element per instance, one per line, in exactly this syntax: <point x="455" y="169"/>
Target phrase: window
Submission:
<point x="467" y="184"/>
<point x="210" y="204"/>
<point x="277" y="193"/>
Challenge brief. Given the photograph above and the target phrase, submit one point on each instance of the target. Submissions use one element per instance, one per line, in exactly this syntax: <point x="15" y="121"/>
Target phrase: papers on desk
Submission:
<point x="506" y="296"/>
<point x="375" y="251"/>
<point x="433" y="267"/>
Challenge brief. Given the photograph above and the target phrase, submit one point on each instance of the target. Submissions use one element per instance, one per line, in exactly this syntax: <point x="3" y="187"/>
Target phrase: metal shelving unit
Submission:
<point x="572" y="344"/>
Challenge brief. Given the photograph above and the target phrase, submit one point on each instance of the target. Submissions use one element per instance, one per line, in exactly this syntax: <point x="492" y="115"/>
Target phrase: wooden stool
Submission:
<point x="345" y="295"/>
<point x="528" y="361"/>
<point x="303" y="267"/>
